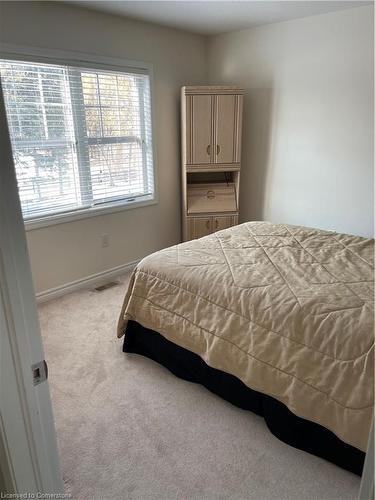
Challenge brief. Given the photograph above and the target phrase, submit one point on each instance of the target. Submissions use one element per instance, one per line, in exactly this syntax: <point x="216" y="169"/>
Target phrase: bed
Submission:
<point x="277" y="319"/>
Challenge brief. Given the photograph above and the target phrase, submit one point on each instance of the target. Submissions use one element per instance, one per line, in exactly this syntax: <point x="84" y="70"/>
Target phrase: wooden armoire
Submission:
<point x="211" y="158"/>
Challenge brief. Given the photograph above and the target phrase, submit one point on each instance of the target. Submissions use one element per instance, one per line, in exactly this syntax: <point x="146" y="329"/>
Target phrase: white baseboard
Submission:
<point x="89" y="282"/>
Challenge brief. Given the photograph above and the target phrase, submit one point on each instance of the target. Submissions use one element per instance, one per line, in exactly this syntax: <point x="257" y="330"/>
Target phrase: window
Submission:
<point x="81" y="137"/>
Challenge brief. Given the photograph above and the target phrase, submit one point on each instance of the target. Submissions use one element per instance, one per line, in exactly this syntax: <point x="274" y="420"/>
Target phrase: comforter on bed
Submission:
<point x="286" y="309"/>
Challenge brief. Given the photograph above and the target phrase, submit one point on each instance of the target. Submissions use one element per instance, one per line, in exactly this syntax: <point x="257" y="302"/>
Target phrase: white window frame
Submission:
<point x="94" y="62"/>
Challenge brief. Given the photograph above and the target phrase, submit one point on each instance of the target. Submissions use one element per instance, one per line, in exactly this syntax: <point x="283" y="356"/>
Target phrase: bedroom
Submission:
<point x="304" y="72"/>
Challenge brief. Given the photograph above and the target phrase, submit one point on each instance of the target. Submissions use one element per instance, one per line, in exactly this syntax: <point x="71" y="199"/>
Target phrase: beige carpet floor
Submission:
<point x="129" y="429"/>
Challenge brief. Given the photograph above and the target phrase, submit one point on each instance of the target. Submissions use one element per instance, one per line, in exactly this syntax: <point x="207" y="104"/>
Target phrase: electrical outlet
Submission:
<point x="105" y="240"/>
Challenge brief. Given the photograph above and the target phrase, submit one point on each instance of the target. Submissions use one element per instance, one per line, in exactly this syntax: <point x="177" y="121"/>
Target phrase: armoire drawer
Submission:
<point x="211" y="198"/>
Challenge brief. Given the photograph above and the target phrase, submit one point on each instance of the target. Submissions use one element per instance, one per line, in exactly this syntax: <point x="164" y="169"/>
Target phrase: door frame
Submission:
<point x="28" y="444"/>
<point x="366" y="491"/>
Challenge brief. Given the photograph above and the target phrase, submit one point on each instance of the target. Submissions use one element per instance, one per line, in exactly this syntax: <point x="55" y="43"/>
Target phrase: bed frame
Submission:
<point x="286" y="426"/>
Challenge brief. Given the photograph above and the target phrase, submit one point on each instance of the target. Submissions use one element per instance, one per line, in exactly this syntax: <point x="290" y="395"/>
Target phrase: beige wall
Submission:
<point x="308" y="119"/>
<point x="67" y="252"/>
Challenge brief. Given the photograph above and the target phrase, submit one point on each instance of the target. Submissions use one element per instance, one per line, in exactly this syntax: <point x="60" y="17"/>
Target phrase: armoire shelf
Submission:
<point x="211" y="118"/>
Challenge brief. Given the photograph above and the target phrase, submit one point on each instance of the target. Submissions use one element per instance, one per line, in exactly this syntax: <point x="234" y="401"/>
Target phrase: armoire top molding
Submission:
<point x="212" y="89"/>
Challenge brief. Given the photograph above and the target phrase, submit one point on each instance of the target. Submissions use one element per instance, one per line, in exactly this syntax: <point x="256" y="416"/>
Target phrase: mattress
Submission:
<point x="288" y="310"/>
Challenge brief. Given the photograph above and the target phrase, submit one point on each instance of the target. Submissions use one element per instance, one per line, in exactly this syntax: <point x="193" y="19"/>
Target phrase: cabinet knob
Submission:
<point x="216" y="223"/>
<point x="217" y="149"/>
<point x="208" y="149"/>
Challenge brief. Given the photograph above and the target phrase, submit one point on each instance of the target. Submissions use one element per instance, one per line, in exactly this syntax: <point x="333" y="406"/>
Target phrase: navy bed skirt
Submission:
<point x="286" y="426"/>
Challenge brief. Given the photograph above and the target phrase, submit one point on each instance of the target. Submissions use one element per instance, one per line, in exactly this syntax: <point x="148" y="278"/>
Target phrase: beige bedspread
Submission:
<point x="286" y="309"/>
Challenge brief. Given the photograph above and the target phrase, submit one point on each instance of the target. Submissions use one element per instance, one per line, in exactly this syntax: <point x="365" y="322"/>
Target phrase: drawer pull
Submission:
<point x="218" y="149"/>
<point x="216" y="223"/>
<point x="211" y="194"/>
<point x="208" y="149"/>
<point x="208" y="224"/>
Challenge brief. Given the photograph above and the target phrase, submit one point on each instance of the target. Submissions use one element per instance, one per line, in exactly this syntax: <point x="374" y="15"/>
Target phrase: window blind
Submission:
<point x="81" y="137"/>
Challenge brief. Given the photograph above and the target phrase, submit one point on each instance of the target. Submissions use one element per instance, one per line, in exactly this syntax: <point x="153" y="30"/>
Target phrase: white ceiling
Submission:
<point x="212" y="17"/>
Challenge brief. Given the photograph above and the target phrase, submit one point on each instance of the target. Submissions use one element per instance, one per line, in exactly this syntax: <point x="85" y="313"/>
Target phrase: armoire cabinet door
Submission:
<point x="199" y="113"/>
<point x="228" y="122"/>
<point x="198" y="227"/>
<point x="223" y="222"/>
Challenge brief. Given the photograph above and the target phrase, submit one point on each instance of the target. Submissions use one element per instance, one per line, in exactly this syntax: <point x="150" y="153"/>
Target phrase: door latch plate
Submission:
<point x="40" y="372"/>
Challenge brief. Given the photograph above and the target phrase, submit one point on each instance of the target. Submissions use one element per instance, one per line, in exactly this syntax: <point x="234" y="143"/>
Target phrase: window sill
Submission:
<point x="87" y="213"/>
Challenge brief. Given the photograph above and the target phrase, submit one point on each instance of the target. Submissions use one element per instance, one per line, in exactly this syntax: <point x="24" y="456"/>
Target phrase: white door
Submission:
<point x="27" y="431"/>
